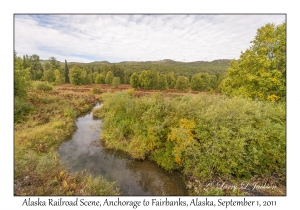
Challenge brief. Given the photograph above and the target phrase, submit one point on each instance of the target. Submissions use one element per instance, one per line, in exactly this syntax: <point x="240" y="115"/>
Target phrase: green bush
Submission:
<point x="21" y="109"/>
<point x="43" y="86"/>
<point x="204" y="135"/>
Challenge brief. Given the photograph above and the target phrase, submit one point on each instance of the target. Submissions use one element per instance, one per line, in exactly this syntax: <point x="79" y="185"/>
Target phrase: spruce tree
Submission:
<point x="67" y="72"/>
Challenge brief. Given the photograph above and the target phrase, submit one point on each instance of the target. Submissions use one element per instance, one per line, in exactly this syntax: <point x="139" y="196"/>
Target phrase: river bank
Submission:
<point x="37" y="166"/>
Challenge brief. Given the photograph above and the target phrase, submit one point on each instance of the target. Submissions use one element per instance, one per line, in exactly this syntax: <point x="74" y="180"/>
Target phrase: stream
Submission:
<point x="134" y="177"/>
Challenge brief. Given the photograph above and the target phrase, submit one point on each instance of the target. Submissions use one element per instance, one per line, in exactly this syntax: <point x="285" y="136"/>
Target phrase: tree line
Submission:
<point x="56" y="73"/>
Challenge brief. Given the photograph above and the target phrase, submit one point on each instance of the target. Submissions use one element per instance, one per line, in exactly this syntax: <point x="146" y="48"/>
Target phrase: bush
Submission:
<point x="43" y="86"/>
<point x="204" y="135"/>
<point x="21" y="109"/>
<point x="96" y="91"/>
<point x="97" y="112"/>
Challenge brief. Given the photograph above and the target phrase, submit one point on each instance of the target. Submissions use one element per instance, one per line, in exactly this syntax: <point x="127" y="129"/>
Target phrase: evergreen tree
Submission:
<point x="67" y="79"/>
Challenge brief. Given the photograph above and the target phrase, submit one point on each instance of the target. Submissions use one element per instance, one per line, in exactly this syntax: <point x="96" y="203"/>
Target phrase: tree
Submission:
<point x="49" y="75"/>
<point x="171" y="80"/>
<point x="75" y="75"/>
<point x="26" y="62"/>
<point x="197" y="83"/>
<point x="116" y="82"/>
<point x="260" y="71"/>
<point x="213" y="82"/>
<point x="83" y="77"/>
<point x="59" y="79"/>
<point x="106" y="69"/>
<point x="134" y="80"/>
<point x="95" y="74"/>
<point x="21" y="78"/>
<point x="153" y="78"/>
<point x="145" y="80"/>
<point x="67" y="79"/>
<point x="36" y="68"/>
<point x="118" y="72"/>
<point x="162" y="83"/>
<point x="54" y="64"/>
<point x="102" y="78"/>
<point x="182" y="83"/>
<point x="109" y="78"/>
<point x="203" y="81"/>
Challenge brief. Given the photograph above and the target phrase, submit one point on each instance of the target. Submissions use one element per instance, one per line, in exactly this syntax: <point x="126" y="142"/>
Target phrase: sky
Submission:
<point x="116" y="38"/>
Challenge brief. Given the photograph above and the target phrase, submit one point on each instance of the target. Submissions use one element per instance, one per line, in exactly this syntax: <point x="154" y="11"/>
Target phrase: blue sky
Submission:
<point x="116" y="38"/>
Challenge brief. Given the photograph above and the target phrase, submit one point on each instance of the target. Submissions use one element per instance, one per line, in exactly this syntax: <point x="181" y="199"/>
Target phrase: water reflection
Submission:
<point x="133" y="177"/>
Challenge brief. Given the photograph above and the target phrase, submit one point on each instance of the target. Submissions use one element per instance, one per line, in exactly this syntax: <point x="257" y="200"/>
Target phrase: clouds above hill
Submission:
<point x="115" y="38"/>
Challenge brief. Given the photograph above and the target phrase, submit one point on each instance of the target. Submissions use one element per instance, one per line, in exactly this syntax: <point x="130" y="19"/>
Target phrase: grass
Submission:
<point x="37" y="166"/>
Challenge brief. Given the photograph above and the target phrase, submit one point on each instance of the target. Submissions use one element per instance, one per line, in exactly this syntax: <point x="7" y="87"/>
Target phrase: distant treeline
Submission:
<point x="160" y="75"/>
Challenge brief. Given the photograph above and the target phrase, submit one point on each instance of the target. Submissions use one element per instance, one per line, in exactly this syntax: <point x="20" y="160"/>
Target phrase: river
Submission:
<point x="134" y="177"/>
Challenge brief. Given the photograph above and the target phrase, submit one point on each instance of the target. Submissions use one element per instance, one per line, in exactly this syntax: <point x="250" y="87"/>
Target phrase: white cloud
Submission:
<point x="115" y="38"/>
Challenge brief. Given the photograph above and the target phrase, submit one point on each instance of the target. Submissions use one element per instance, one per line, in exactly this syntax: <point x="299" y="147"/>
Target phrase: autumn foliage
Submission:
<point x="204" y="135"/>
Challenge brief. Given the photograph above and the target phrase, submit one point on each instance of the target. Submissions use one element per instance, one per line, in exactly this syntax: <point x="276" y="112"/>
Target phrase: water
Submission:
<point x="133" y="177"/>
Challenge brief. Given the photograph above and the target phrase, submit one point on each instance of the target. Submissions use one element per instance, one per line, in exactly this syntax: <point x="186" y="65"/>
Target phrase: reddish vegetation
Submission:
<point x="109" y="88"/>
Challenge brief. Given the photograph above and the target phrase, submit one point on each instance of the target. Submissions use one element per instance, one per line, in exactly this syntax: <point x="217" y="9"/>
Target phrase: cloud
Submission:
<point x="116" y="38"/>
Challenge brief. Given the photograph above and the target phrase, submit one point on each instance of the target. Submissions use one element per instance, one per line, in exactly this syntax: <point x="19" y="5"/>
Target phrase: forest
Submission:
<point x="222" y="120"/>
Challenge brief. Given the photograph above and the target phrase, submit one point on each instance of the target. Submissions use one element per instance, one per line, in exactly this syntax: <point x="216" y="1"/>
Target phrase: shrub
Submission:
<point x="203" y="135"/>
<point x="97" y="112"/>
<point x="96" y="91"/>
<point x="43" y="86"/>
<point x="21" y="109"/>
